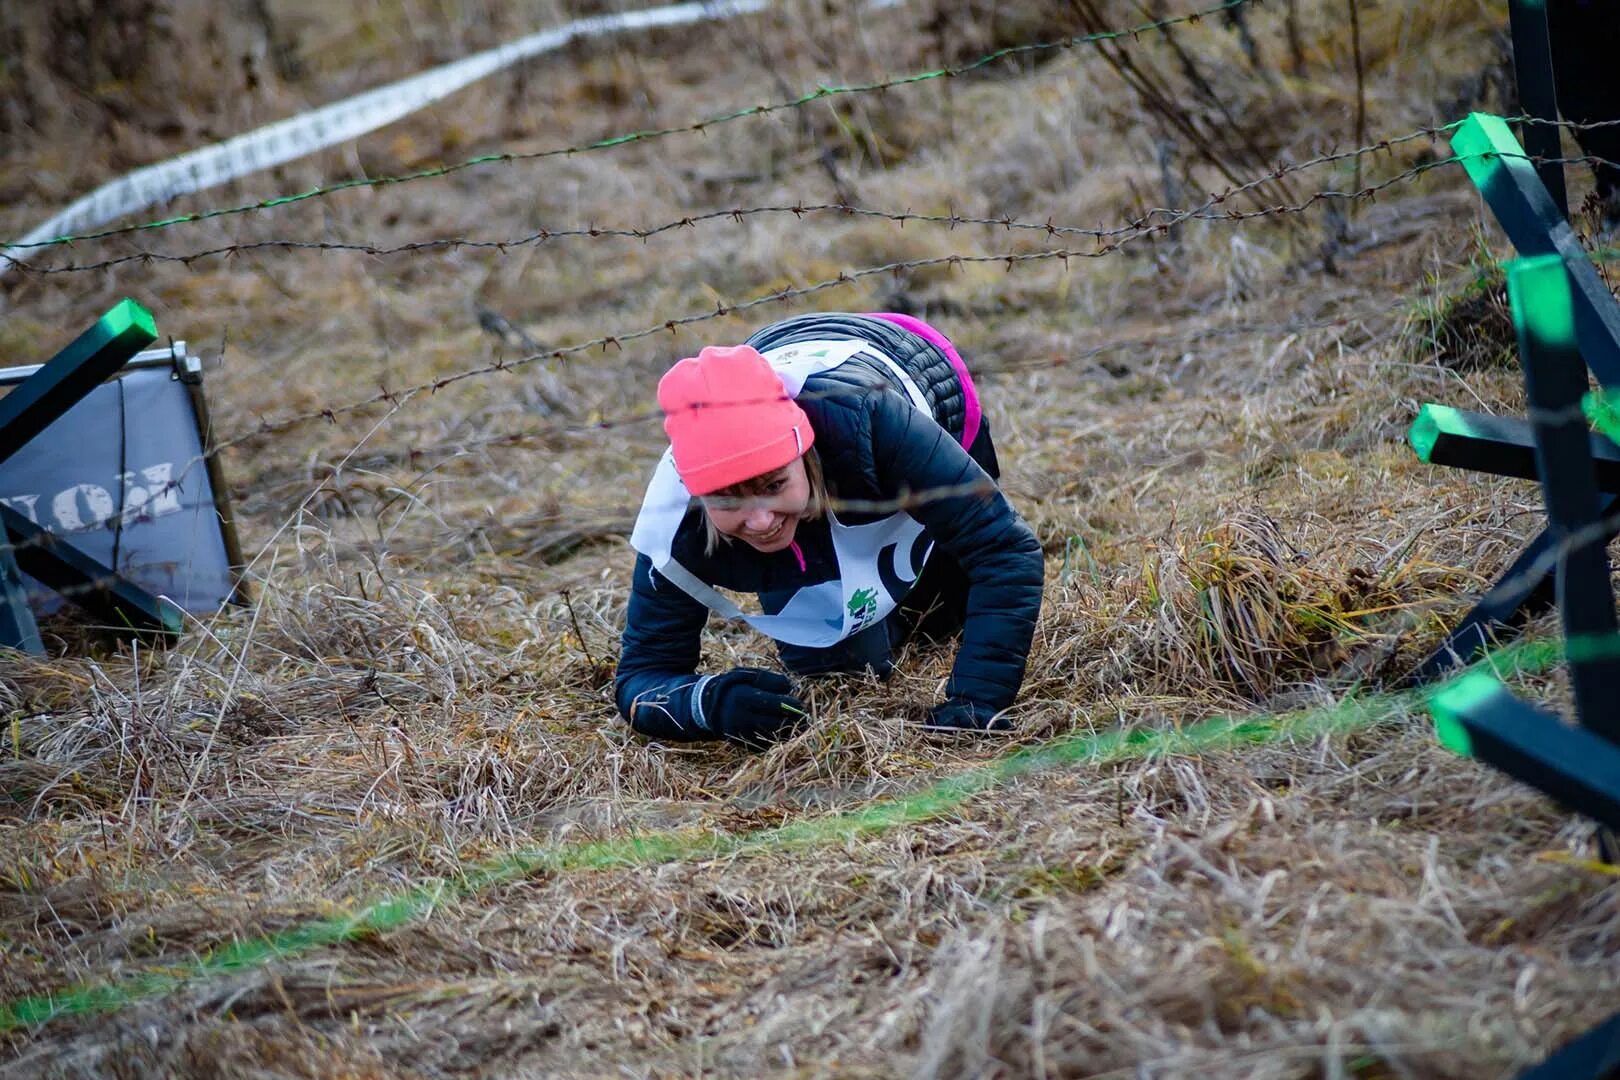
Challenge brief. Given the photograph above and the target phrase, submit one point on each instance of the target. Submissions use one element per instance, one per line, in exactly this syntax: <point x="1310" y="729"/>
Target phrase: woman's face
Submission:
<point x="763" y="512"/>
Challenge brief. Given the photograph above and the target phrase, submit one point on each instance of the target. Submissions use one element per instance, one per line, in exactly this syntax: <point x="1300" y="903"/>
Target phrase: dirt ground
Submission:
<point x="1202" y="415"/>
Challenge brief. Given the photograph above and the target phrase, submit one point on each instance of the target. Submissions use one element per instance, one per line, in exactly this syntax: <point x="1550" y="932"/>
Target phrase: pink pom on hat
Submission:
<point x="729" y="418"/>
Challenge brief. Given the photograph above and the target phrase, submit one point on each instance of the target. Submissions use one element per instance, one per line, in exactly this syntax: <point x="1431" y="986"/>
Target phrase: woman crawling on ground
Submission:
<point x="840" y="468"/>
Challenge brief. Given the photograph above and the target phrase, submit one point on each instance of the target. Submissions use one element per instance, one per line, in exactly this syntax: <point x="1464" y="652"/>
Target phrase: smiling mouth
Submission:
<point x="767" y="537"/>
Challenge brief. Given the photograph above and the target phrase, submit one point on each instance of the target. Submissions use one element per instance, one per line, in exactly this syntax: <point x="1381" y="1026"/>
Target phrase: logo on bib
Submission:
<point x="862" y="607"/>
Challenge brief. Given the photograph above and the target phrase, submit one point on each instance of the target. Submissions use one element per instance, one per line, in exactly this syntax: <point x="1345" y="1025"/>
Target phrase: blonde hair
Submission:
<point x="712" y="537"/>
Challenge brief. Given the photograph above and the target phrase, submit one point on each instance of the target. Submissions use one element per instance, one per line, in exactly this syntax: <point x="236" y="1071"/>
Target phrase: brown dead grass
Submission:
<point x="1206" y="431"/>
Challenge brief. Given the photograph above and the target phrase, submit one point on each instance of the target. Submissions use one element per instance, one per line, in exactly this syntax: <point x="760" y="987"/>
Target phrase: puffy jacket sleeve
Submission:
<point x="658" y="658"/>
<point x="994" y="546"/>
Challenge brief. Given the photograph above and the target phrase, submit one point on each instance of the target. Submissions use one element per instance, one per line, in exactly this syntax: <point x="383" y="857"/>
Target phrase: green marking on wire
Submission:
<point x="391" y="912"/>
<point x="818" y="94"/>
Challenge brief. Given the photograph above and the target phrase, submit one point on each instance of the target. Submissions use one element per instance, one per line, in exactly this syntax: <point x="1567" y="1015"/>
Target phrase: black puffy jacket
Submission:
<point x="927" y="365"/>
<point x="874" y="445"/>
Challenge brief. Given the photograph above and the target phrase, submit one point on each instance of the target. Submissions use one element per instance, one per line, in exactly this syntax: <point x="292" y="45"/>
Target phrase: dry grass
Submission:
<point x="1205" y="430"/>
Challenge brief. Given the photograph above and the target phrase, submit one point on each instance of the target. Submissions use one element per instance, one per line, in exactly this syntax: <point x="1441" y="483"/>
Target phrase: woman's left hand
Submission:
<point x="960" y="714"/>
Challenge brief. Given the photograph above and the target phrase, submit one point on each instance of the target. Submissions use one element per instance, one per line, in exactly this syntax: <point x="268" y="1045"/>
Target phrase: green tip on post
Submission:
<point x="1539" y="294"/>
<point x="1483" y="144"/>
<point x="1425" y="432"/>
<point x="126" y="316"/>
<point x="1457" y="699"/>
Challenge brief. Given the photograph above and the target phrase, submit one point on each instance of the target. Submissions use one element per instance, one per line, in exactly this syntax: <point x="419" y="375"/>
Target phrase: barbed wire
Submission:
<point x="1156" y="218"/>
<point x="617" y="522"/>
<point x="314" y="487"/>
<point x="737" y="214"/>
<point x="1568" y="125"/>
<point x="821" y="93"/>
<point x="578" y="531"/>
<point x="722" y="309"/>
<point x="1117" y="238"/>
<point x="397" y="399"/>
<point x="554" y="431"/>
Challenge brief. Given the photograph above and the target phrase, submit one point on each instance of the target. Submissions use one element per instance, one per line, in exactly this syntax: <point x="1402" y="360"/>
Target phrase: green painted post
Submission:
<point x="1533" y="70"/>
<point x="1498" y="166"/>
<point x="90" y="359"/>
<point x="1499" y="445"/>
<point x="1478" y="717"/>
<point x="1556" y="383"/>
<point x="1520" y="201"/>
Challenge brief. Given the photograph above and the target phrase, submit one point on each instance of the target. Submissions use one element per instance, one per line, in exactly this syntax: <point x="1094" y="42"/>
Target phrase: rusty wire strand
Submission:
<point x="845" y="278"/>
<point x="821" y="93"/>
<point x="1153" y="218"/>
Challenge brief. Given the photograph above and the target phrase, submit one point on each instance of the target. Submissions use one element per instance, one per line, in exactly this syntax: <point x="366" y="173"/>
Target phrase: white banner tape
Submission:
<point x="297" y="136"/>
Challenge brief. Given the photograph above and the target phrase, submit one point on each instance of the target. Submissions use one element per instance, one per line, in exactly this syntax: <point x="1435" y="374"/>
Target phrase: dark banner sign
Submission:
<point x="121" y="475"/>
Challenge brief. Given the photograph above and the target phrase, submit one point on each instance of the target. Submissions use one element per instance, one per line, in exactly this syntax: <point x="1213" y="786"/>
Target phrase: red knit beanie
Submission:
<point x="729" y="418"/>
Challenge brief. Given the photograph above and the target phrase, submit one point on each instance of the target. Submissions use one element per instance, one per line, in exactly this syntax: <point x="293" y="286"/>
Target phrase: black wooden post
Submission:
<point x="91" y="358"/>
<point x="1556" y="382"/>
<point x="1533" y="70"/>
<point x="1521" y="204"/>
<point x="1519" y="201"/>
<point x="1478" y="717"/>
<point x="100" y="590"/>
<point x="1499" y="445"/>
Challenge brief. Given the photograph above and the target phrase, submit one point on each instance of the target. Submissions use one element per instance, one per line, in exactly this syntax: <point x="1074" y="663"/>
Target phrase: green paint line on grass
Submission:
<point x="1109" y="747"/>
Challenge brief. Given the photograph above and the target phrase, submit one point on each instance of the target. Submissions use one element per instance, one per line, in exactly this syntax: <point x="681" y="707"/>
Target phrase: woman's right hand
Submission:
<point x="751" y="706"/>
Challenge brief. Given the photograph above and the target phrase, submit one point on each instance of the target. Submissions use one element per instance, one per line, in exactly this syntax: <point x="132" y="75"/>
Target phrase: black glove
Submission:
<point x="960" y="714"/>
<point x="750" y="706"/>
